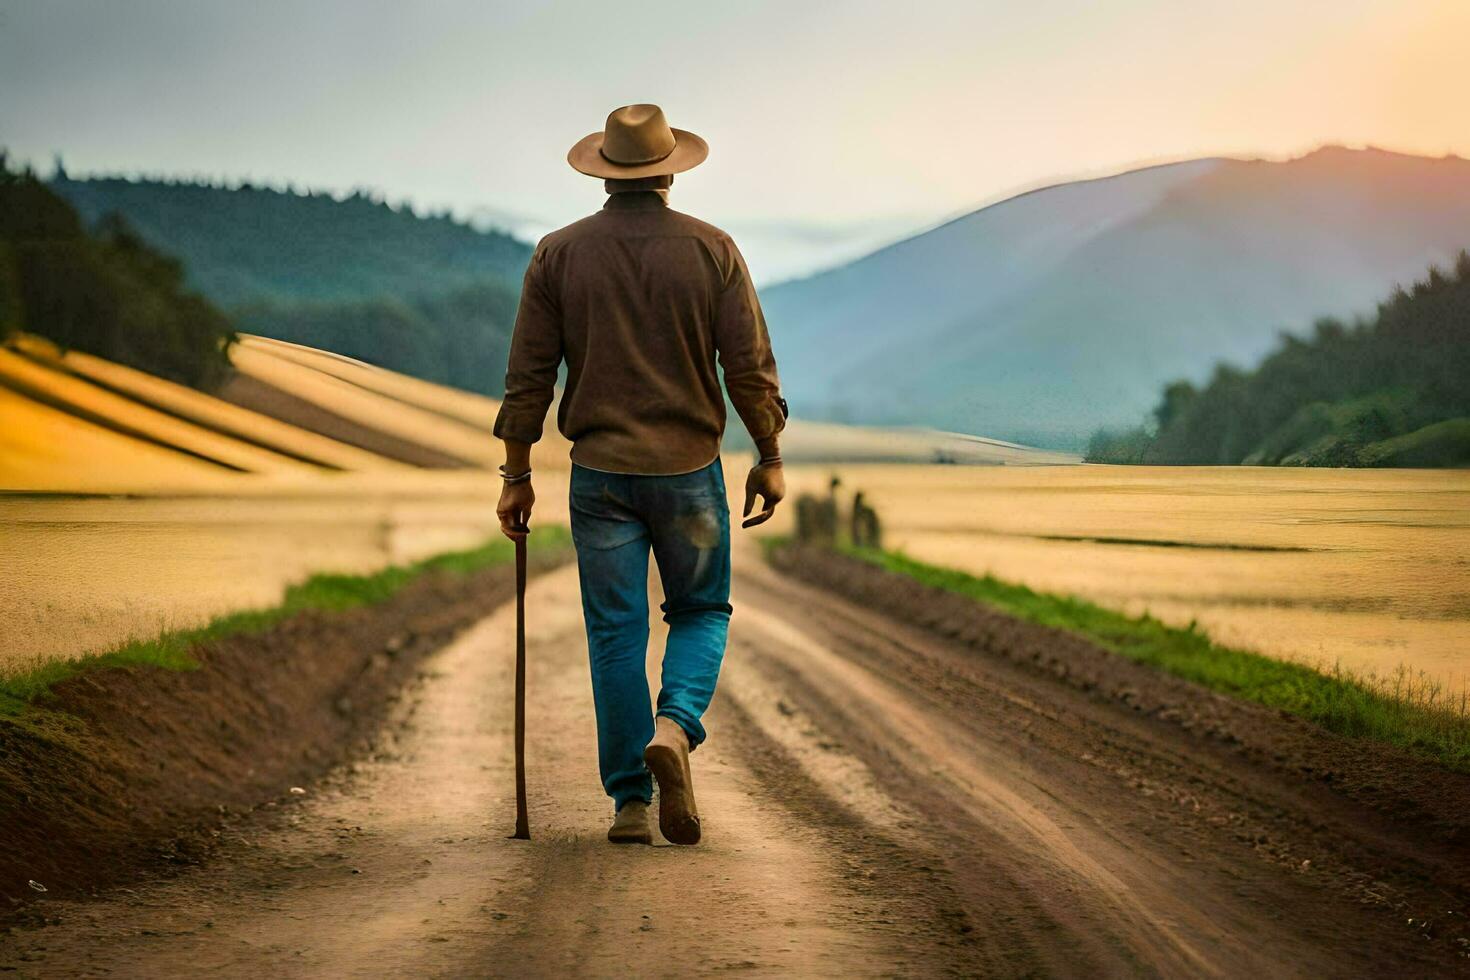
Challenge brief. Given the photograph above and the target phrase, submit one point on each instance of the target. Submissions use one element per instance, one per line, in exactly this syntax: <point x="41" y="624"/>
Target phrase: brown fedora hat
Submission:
<point x="637" y="142"/>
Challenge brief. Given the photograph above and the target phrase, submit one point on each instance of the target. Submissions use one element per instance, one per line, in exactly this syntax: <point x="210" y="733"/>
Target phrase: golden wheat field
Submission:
<point x="1366" y="568"/>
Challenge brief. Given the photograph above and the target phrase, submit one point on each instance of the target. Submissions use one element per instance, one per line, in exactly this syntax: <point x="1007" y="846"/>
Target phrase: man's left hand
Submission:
<point x="768" y="481"/>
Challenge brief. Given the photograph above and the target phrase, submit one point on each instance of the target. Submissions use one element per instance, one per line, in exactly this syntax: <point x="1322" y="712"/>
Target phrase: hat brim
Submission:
<point x="586" y="157"/>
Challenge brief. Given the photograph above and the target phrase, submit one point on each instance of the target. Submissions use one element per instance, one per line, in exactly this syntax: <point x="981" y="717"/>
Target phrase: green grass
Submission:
<point x="173" y="650"/>
<point x="1408" y="710"/>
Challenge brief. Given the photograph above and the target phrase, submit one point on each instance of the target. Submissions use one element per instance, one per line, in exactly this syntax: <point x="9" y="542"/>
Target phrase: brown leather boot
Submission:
<point x="630" y="826"/>
<point x="667" y="757"/>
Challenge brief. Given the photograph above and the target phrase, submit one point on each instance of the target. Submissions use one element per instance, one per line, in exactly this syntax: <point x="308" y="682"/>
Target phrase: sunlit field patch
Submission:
<point x="173" y="650"/>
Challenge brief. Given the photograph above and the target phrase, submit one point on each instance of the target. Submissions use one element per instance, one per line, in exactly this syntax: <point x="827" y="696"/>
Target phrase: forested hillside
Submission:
<point x="423" y="294"/>
<point x="105" y="291"/>
<point x="1392" y="391"/>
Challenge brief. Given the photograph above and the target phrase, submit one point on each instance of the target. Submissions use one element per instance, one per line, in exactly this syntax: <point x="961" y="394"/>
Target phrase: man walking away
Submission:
<point x="646" y="306"/>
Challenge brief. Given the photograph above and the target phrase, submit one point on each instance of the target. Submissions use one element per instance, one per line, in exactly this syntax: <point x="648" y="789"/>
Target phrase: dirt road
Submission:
<point x="877" y="802"/>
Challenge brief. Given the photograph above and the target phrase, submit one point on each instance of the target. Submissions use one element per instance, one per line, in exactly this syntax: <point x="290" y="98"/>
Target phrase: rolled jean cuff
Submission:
<point x="691" y="725"/>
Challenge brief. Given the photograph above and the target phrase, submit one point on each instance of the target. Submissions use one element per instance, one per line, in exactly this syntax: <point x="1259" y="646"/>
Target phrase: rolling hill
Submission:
<point x="1051" y="314"/>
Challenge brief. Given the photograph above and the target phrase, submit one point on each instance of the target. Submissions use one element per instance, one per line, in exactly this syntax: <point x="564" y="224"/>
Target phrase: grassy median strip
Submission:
<point x="173" y="650"/>
<point x="1411" y="711"/>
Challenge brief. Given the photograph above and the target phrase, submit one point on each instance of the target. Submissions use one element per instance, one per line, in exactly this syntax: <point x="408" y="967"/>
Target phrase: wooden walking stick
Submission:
<point x="523" y="824"/>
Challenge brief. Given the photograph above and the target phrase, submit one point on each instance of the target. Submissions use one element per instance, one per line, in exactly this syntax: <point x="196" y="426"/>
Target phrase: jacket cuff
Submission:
<point x="507" y="426"/>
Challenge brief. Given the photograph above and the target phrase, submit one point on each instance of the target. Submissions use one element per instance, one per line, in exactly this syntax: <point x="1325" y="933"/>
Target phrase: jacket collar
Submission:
<point x="635" y="201"/>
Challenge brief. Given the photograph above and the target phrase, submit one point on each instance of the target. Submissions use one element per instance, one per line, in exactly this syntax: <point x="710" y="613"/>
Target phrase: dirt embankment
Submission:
<point x="126" y="770"/>
<point x="1401" y="786"/>
<point x="1400" y="825"/>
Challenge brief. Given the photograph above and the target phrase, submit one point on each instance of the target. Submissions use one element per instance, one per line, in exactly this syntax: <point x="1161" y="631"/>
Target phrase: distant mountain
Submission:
<point x="423" y="294"/>
<point x="1054" y="313"/>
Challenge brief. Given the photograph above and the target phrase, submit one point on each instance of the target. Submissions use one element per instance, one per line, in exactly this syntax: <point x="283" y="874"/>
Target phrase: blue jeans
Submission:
<point x="685" y="520"/>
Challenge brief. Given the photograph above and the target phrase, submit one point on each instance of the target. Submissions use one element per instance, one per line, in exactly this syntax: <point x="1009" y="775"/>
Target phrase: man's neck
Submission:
<point x="662" y="192"/>
<point x="657" y="185"/>
<point x="637" y="200"/>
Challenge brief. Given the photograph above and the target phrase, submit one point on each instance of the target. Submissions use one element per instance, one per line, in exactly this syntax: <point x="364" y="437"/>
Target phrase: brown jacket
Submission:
<point x="640" y="301"/>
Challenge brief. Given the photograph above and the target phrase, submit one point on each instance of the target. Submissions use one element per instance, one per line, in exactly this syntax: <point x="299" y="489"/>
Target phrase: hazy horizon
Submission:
<point x="834" y="128"/>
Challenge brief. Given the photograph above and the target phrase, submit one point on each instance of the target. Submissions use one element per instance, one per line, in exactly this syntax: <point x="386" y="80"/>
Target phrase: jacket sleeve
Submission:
<point x="745" y="353"/>
<point x="535" y="356"/>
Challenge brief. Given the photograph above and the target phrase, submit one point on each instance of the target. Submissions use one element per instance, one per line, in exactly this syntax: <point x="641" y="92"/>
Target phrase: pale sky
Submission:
<point x="833" y="125"/>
